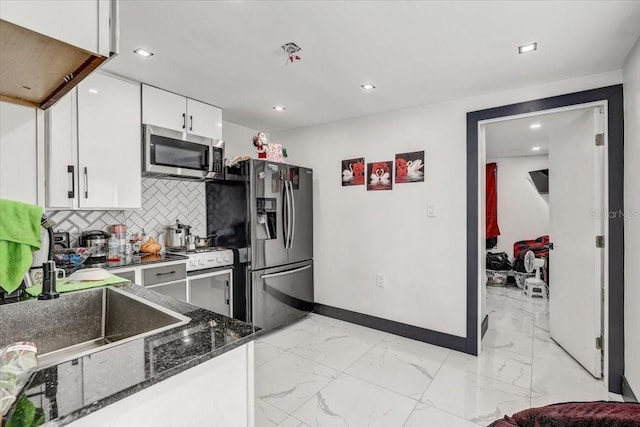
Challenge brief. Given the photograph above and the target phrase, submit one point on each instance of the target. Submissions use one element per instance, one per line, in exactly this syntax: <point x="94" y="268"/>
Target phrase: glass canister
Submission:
<point x="120" y="231"/>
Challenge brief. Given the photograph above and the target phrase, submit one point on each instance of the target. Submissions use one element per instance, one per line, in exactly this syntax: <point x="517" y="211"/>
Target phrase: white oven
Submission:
<point x="210" y="279"/>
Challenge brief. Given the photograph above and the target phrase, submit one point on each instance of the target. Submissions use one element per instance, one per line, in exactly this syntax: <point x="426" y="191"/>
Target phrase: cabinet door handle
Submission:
<point x="86" y="183"/>
<point x="191" y="125"/>
<point x="72" y="194"/>
<point x="226" y="293"/>
<point x="184" y="120"/>
<point x="167" y="273"/>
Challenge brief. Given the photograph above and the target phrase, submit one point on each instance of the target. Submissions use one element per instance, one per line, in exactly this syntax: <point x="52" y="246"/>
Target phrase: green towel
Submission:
<point x="63" y="285"/>
<point x="19" y="236"/>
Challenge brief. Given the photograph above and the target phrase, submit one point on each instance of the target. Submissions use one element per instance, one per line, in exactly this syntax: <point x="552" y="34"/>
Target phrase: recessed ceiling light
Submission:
<point x="528" y="48"/>
<point x="368" y="86"/>
<point x="535" y="148"/>
<point x="279" y="108"/>
<point x="143" y="52"/>
<point x="219" y="125"/>
<point x="94" y="91"/>
<point x="535" y="126"/>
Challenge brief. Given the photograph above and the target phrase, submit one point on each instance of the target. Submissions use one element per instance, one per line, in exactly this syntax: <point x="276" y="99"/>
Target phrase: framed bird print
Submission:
<point x="353" y="172"/>
<point x="410" y="167"/>
<point x="379" y="176"/>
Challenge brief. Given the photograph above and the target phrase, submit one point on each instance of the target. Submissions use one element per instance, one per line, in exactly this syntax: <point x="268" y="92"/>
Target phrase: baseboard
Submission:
<point x="484" y="326"/>
<point x="627" y="392"/>
<point x="414" y="332"/>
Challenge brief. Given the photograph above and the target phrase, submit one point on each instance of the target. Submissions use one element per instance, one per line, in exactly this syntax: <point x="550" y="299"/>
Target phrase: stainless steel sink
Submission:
<point x="83" y="322"/>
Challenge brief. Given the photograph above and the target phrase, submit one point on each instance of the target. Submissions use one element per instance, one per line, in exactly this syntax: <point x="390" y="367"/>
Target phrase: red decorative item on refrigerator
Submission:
<point x="492" y="200"/>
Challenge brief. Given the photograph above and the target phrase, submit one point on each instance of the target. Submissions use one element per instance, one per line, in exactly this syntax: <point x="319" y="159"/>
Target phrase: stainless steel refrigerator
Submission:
<point x="264" y="210"/>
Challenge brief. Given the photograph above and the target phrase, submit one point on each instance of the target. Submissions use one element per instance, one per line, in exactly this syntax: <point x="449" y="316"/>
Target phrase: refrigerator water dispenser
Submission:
<point x="266" y="218"/>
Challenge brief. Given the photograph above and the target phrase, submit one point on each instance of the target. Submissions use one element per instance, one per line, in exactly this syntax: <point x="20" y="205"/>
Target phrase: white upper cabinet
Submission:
<point x="94" y="146"/>
<point x="172" y="111"/>
<point x="109" y="143"/>
<point x="164" y="109"/>
<point x="62" y="153"/>
<point x="84" y="24"/>
<point x="18" y="153"/>
<point x="204" y="119"/>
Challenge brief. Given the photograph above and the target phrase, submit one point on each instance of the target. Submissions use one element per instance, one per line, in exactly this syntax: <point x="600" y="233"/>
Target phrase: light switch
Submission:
<point x="431" y="210"/>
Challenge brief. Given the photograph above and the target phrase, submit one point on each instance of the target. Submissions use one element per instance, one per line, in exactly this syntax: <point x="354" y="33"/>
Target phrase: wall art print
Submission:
<point x="379" y="176"/>
<point x="410" y="167"/>
<point x="353" y="172"/>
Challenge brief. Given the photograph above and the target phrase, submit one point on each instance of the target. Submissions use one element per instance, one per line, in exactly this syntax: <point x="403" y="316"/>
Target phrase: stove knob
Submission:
<point x="192" y="262"/>
<point x="200" y="262"/>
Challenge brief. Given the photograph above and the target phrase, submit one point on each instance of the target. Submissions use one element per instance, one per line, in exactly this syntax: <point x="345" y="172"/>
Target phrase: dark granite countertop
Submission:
<point x="78" y="387"/>
<point x="134" y="261"/>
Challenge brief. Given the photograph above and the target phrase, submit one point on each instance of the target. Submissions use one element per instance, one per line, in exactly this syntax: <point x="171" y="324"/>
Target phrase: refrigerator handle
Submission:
<point x="285" y="273"/>
<point x="285" y="215"/>
<point x="293" y="215"/>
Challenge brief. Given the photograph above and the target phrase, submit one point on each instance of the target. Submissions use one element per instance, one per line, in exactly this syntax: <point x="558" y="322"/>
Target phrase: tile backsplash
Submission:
<point x="163" y="201"/>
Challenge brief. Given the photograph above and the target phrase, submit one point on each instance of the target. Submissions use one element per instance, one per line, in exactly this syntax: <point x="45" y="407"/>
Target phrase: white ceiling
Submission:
<point x="514" y="138"/>
<point x="228" y="52"/>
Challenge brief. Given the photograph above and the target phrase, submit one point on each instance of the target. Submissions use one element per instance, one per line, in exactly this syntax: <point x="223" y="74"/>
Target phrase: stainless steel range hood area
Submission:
<point x="37" y="68"/>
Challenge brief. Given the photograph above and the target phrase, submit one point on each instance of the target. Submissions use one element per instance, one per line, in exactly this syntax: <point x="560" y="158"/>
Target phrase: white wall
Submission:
<point x="19" y="154"/>
<point x="523" y="213"/>
<point x="238" y="140"/>
<point x="631" y="72"/>
<point x="358" y="233"/>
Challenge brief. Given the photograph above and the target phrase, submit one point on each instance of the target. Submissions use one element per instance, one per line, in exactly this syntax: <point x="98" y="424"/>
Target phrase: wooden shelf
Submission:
<point x="37" y="70"/>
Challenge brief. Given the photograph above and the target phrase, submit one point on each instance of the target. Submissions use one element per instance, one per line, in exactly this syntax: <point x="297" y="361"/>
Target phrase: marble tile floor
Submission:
<point x="324" y="372"/>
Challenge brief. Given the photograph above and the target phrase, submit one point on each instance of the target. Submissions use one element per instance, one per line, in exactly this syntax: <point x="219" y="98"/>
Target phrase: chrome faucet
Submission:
<point x="49" y="266"/>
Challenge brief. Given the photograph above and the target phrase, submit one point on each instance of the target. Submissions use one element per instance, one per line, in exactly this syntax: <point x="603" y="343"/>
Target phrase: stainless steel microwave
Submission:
<point x="173" y="154"/>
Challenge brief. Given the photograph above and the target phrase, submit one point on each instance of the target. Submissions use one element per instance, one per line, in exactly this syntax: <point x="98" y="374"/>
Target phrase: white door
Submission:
<point x="18" y="153"/>
<point x="204" y="119"/>
<point x="164" y="109"/>
<point x="62" y="142"/>
<point x="576" y="178"/>
<point x="109" y="142"/>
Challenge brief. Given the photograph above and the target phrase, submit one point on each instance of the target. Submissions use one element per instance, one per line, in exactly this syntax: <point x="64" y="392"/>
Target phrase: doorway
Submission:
<point x="611" y="97"/>
<point x="549" y="180"/>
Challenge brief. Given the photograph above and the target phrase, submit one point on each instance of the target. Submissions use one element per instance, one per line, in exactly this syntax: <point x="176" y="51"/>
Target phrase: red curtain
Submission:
<point x="492" y="200"/>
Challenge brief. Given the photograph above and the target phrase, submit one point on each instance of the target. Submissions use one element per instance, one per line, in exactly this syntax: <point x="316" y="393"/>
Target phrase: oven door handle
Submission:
<point x="195" y="275"/>
<point x="285" y="273"/>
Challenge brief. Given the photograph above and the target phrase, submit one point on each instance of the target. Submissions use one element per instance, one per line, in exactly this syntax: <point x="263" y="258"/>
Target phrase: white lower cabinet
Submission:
<point x="94" y="146"/>
<point x="218" y="392"/>
<point x="18" y="153"/>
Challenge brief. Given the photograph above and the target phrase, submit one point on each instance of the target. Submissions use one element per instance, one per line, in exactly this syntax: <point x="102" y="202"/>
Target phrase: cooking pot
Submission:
<point x="204" y="242"/>
<point x="175" y="236"/>
<point x="97" y="240"/>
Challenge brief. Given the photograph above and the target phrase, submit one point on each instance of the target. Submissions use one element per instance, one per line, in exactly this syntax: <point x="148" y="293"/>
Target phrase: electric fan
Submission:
<point x="534" y="286"/>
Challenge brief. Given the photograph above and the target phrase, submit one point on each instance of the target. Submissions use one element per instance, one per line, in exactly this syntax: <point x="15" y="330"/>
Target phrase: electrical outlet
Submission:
<point x="380" y="280"/>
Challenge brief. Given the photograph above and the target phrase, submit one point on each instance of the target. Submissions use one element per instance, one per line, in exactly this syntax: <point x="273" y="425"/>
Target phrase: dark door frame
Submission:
<point x="613" y="95"/>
